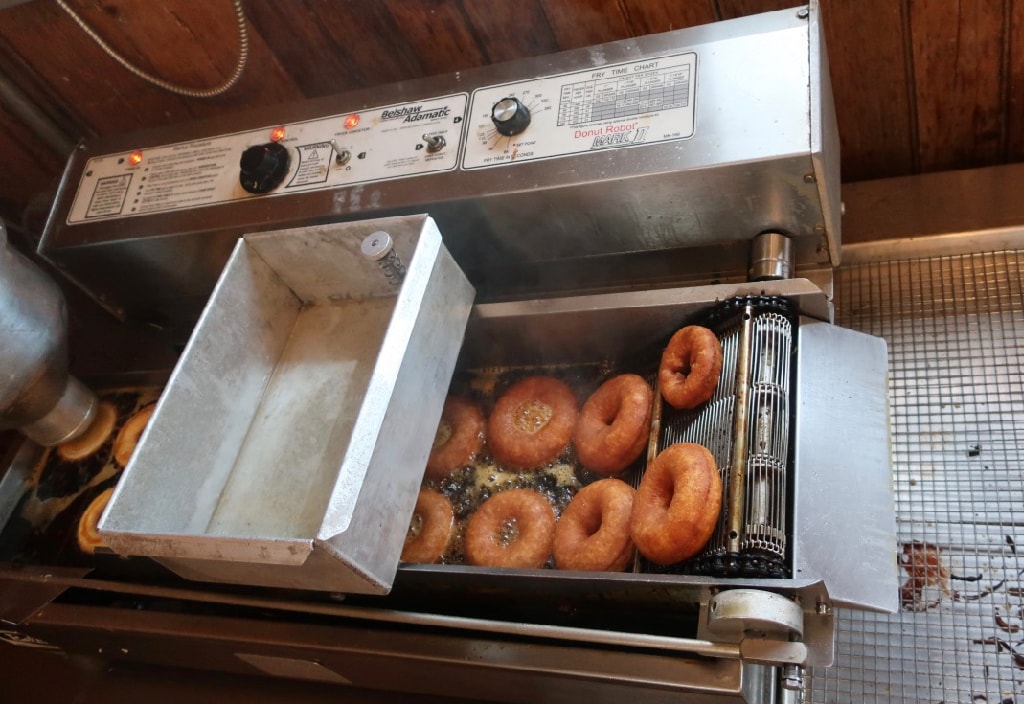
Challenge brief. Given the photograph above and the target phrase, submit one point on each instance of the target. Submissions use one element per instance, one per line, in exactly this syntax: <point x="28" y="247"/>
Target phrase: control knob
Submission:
<point x="263" y="167"/>
<point x="510" y="116"/>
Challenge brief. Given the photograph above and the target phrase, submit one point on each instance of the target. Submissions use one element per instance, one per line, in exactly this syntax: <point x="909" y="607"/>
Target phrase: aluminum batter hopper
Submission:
<point x="297" y="423"/>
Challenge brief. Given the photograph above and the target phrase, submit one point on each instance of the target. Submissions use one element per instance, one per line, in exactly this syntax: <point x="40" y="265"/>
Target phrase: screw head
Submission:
<point x="803" y="13"/>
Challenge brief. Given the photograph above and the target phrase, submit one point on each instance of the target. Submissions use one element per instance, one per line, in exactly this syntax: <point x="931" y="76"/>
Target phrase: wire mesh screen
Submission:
<point x="955" y="330"/>
<point x="768" y="443"/>
<point x="757" y="357"/>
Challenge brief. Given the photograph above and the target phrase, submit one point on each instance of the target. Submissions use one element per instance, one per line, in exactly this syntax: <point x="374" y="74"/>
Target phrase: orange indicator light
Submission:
<point x="351" y="121"/>
<point x="135" y="158"/>
<point x="277" y="134"/>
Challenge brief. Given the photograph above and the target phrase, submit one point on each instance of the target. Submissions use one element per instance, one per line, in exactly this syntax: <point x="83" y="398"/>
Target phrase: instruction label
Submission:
<point x="347" y="149"/>
<point x="623" y="105"/>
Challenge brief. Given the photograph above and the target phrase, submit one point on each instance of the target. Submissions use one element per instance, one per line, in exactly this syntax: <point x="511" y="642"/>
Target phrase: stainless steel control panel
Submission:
<point x="611" y="107"/>
<point x="622" y="105"/>
<point x="377" y="144"/>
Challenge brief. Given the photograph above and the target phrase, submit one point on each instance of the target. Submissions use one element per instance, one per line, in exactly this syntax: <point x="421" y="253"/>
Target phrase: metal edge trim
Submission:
<point x="692" y="646"/>
<point x="904" y="248"/>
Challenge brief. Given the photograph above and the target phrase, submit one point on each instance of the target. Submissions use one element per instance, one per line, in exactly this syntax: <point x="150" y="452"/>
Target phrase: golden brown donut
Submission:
<point x="532" y="422"/>
<point x="614" y="424"/>
<point x="88" y="535"/>
<point x="515" y="528"/>
<point x="460" y="435"/>
<point x="128" y="437"/>
<point x="593" y="532"/>
<point x="677" y="504"/>
<point x="93" y="437"/>
<point x="429" y="529"/>
<point x="690" y="367"/>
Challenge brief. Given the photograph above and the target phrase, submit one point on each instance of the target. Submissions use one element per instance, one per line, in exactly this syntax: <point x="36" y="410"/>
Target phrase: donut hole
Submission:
<point x="415" y="527"/>
<point x="610" y="413"/>
<point x="532" y="416"/>
<point x="507" y="532"/>
<point x="592" y="523"/>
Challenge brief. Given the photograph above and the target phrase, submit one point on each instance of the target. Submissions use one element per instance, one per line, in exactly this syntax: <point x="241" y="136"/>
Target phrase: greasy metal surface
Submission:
<point x="36" y="394"/>
<point x="70" y="416"/>
<point x="753" y="164"/>
<point x="570" y="329"/>
<point x="954" y="325"/>
<point x="735" y="614"/>
<point x="16" y="476"/>
<point x="292" y="401"/>
<point x="466" y="664"/>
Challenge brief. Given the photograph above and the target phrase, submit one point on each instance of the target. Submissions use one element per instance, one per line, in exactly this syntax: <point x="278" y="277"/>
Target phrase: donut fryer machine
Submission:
<point x="596" y="200"/>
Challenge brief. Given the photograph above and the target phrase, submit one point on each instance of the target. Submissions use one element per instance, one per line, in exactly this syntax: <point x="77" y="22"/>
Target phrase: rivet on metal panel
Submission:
<point x="803" y="13"/>
<point x="809" y="178"/>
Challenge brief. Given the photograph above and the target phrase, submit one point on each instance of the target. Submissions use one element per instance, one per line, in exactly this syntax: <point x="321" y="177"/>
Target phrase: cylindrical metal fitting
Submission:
<point x="379" y="247"/>
<point x="771" y="257"/>
<point x="37" y="395"/>
<point x="70" y="416"/>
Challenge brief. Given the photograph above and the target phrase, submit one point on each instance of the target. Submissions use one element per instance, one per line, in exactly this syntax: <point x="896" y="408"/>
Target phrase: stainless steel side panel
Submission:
<point x="844" y="505"/>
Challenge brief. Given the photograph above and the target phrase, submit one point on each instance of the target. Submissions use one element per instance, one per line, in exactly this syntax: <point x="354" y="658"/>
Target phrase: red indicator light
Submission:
<point x="277" y="134"/>
<point x="135" y="158"/>
<point x="351" y="121"/>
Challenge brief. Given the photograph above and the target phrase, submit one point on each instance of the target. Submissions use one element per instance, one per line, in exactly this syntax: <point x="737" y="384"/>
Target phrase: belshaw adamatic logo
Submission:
<point x="415" y="113"/>
<point x="621" y="135"/>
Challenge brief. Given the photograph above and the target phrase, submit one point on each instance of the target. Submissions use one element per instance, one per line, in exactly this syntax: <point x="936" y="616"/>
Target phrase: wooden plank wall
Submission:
<point x="920" y="85"/>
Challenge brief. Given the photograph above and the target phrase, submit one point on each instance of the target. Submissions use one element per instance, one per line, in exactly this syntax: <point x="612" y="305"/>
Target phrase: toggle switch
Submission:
<point x="341" y="156"/>
<point x="435" y="143"/>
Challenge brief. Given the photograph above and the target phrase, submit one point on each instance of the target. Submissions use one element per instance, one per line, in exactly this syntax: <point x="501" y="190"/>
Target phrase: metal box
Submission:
<point x="291" y="439"/>
<point x="578" y="214"/>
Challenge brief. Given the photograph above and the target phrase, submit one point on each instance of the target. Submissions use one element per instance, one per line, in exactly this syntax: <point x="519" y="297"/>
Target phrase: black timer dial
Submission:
<point x="263" y="167"/>
<point x="510" y="116"/>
